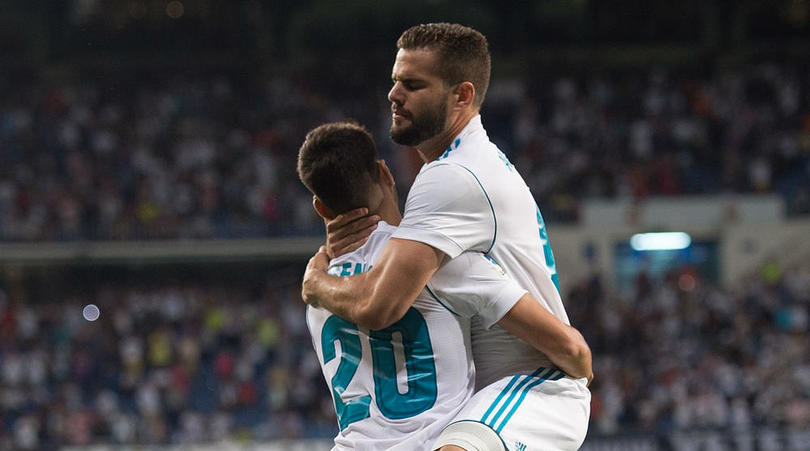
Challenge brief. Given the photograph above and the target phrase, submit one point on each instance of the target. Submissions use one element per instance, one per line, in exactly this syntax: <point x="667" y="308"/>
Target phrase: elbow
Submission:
<point x="374" y="322"/>
<point x="371" y="321"/>
<point x="576" y="350"/>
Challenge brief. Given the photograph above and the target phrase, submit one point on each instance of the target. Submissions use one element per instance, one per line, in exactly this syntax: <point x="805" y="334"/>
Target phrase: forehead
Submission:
<point x="415" y="63"/>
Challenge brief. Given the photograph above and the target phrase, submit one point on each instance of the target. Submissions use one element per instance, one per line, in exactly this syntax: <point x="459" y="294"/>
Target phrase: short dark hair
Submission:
<point x="338" y="162"/>
<point x="463" y="52"/>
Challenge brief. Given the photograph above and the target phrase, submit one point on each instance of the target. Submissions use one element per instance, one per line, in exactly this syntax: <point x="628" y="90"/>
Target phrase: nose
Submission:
<point x="395" y="94"/>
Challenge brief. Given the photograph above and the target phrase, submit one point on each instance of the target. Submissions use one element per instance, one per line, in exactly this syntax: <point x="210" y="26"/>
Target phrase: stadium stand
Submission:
<point x="188" y="139"/>
<point x="214" y="158"/>
<point x="179" y="363"/>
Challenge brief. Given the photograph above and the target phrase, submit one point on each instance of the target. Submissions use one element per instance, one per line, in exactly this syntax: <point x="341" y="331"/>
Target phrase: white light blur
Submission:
<point x="90" y="312"/>
<point x="665" y="241"/>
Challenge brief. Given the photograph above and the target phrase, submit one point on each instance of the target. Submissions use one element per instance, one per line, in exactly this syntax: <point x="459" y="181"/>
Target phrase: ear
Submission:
<point x="385" y="174"/>
<point x="324" y="211"/>
<point x="465" y="94"/>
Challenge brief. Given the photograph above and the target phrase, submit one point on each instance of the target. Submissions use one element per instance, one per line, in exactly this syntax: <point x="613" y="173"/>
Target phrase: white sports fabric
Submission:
<point x="472" y="436"/>
<point x="472" y="198"/>
<point x="542" y="411"/>
<point x="395" y="389"/>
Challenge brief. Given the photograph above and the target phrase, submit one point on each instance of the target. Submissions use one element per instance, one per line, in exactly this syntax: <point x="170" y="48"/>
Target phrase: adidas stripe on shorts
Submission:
<point x="546" y="410"/>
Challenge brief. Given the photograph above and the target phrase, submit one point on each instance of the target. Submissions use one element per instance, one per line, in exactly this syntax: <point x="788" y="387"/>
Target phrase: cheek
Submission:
<point x="427" y="102"/>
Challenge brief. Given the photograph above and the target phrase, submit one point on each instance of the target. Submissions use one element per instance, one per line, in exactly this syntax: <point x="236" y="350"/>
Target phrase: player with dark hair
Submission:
<point x="379" y="404"/>
<point x="338" y="163"/>
<point x="467" y="197"/>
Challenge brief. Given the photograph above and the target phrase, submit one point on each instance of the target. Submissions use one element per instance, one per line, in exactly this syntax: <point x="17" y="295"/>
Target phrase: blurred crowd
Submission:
<point x="176" y="364"/>
<point x="176" y="158"/>
<point x="214" y="156"/>
<point x="684" y="354"/>
<point x="195" y="362"/>
<point x="656" y="133"/>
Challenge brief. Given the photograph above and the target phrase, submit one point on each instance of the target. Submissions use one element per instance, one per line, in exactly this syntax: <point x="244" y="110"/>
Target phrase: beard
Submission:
<point x="422" y="127"/>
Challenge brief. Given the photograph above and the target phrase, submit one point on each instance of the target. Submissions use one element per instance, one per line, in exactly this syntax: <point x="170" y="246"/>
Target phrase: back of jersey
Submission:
<point x="394" y="388"/>
<point x="472" y="198"/>
<point x="521" y="246"/>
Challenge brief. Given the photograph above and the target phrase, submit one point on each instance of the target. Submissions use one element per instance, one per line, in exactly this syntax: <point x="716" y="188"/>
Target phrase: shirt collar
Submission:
<point x="472" y="127"/>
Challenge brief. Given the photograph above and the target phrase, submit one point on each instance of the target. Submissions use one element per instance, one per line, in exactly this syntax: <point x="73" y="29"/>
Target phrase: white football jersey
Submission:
<point x="398" y="387"/>
<point x="472" y="198"/>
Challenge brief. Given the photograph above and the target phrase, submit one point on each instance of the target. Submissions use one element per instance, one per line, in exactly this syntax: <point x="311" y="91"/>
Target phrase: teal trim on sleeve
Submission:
<point x="491" y="208"/>
<point x="436" y="298"/>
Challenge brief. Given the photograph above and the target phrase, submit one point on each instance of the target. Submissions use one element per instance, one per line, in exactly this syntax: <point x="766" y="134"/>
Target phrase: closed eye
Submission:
<point x="411" y="84"/>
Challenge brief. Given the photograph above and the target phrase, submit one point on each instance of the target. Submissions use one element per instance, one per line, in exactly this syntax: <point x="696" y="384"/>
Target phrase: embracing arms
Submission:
<point x="379" y="297"/>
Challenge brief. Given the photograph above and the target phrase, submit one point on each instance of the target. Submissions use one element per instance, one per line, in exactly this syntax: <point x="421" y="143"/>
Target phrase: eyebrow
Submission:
<point x="407" y="79"/>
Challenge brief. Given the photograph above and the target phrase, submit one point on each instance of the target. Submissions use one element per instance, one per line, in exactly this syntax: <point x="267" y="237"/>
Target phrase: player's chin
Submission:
<point x="402" y="135"/>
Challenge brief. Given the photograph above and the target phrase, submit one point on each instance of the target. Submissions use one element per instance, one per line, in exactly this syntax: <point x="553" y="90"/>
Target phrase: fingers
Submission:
<point x="349" y="231"/>
<point x="350" y="223"/>
<point x="352" y="243"/>
<point x="318" y="263"/>
<point x="341" y="220"/>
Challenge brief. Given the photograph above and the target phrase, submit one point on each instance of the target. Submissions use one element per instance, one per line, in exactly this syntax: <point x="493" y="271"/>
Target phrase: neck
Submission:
<point x="433" y="148"/>
<point x="388" y="211"/>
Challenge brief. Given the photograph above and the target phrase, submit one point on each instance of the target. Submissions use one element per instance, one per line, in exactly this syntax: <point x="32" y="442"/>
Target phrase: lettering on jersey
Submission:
<point x="348" y="269"/>
<point x="506" y="161"/>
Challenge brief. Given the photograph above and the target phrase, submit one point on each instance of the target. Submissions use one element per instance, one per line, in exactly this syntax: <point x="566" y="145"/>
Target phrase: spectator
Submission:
<point x="213" y="158"/>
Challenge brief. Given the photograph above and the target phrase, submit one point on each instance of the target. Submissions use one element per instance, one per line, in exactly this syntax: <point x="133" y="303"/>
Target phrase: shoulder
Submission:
<point x="441" y="175"/>
<point x="445" y="187"/>
<point x="383" y="232"/>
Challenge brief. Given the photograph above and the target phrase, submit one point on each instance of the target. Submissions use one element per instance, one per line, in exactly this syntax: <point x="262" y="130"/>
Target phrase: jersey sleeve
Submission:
<point x="448" y="209"/>
<point x="473" y="284"/>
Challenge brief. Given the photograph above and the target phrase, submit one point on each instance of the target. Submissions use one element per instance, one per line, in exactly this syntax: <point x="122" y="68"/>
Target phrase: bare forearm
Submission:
<point x="573" y="355"/>
<point x="379" y="297"/>
<point x="359" y="299"/>
<point x="339" y="295"/>
<point x="561" y="343"/>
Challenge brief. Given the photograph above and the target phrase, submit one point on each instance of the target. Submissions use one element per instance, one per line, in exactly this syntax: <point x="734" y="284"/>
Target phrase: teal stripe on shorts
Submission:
<point x="548" y="376"/>
<point x="512" y="392"/>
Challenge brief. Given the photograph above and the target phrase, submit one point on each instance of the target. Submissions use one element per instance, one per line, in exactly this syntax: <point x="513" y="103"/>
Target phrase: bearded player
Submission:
<point x="467" y="197"/>
<point x="396" y="388"/>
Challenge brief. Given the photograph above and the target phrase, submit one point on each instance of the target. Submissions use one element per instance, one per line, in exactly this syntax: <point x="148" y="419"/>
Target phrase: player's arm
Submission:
<point x="434" y="217"/>
<point x="379" y="297"/>
<point x="563" y="344"/>
<point x="472" y="284"/>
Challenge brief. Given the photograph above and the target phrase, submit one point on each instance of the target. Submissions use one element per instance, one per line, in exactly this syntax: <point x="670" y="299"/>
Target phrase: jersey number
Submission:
<point x="549" y="256"/>
<point x="419" y="366"/>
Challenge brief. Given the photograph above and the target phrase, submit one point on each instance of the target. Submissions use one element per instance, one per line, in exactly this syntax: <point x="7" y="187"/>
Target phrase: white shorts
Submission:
<point x="546" y="410"/>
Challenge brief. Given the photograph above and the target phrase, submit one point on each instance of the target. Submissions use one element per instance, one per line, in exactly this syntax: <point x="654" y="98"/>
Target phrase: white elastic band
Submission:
<point x="470" y="435"/>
